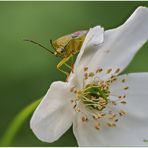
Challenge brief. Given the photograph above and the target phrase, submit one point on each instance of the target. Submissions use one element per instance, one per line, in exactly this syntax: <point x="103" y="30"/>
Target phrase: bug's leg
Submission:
<point x="61" y="63"/>
<point x="66" y="73"/>
<point x="68" y="66"/>
<point x="72" y="64"/>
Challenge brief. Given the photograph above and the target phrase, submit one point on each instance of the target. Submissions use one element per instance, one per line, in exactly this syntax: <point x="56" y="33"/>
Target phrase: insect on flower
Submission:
<point x="105" y="107"/>
<point x="66" y="47"/>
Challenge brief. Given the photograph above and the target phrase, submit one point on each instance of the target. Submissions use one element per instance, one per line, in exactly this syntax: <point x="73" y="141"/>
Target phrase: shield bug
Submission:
<point x="66" y="47"/>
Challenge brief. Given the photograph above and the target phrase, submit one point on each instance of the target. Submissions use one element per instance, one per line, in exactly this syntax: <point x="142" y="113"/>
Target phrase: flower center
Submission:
<point x="94" y="95"/>
<point x="97" y="98"/>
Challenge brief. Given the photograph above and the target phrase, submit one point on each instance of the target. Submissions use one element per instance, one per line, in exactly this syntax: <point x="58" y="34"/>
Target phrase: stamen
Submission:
<point x="123" y="102"/>
<point x="85" y="69"/>
<point x="123" y="80"/>
<point x="121" y="113"/>
<point x="120" y="97"/>
<point x="84" y="119"/>
<point x="116" y="120"/>
<point x="99" y="70"/>
<point x="77" y="109"/>
<point x="91" y="74"/>
<point x="114" y="103"/>
<point x="109" y="70"/>
<point x="125" y="88"/>
<point x="86" y="76"/>
<point x="97" y="126"/>
<point x="96" y="98"/>
<point x="111" y="124"/>
<point x="72" y="89"/>
<point x="117" y="70"/>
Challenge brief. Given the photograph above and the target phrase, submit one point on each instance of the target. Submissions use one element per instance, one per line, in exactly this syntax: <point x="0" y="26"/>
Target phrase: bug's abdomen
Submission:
<point x="75" y="45"/>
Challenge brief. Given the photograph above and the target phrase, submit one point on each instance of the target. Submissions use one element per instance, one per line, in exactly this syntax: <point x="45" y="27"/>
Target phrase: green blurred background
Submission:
<point x="26" y="70"/>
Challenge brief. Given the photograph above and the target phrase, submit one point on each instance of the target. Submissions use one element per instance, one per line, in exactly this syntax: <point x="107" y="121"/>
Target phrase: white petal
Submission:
<point x="93" y="40"/>
<point x="85" y="133"/>
<point x="54" y="114"/>
<point x="121" y="44"/>
<point x="137" y="94"/>
<point x="132" y="129"/>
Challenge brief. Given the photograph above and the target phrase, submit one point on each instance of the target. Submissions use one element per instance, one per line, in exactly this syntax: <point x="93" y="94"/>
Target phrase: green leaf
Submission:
<point x="17" y="122"/>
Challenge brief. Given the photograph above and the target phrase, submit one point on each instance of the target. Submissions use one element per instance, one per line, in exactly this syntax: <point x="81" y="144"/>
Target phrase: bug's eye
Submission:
<point x="62" y="50"/>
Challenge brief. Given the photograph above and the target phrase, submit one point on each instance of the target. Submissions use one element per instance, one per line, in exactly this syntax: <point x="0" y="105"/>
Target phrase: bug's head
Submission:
<point x="59" y="49"/>
<point x="59" y="52"/>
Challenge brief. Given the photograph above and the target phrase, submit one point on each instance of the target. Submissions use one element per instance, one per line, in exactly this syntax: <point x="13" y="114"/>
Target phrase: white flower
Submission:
<point x="104" y="108"/>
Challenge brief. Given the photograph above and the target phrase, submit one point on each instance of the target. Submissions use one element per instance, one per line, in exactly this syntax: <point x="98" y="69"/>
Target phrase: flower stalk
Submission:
<point x="17" y="123"/>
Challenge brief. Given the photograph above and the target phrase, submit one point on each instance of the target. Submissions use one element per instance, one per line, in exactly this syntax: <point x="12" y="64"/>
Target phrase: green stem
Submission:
<point x="17" y="122"/>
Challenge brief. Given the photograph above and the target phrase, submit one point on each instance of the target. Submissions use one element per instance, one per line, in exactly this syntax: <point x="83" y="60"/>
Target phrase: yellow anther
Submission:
<point x="114" y="103"/>
<point x="71" y="101"/>
<point x="116" y="120"/>
<point x="124" y="96"/>
<point x="97" y="126"/>
<point x="99" y="70"/>
<point x="121" y="113"/>
<point x="119" y="97"/>
<point x="91" y="74"/>
<point x="95" y="117"/>
<point x="75" y="91"/>
<point x="123" y="102"/>
<point x="113" y="78"/>
<point x="117" y="70"/>
<point x="84" y="119"/>
<point x="109" y="70"/>
<point x="100" y="115"/>
<point x="72" y="89"/>
<point x="85" y="68"/>
<point x="123" y="80"/>
<point x="86" y="76"/>
<point x="111" y="124"/>
<point x="77" y="109"/>
<point x="125" y="88"/>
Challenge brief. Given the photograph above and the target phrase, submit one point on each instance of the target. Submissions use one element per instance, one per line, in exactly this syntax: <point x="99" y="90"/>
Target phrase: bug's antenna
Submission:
<point x="52" y="44"/>
<point x="39" y="45"/>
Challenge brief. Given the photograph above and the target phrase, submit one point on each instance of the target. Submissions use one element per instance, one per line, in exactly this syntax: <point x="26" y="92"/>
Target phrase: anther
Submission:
<point x="77" y="109"/>
<point x="95" y="117"/>
<point x="116" y="120"/>
<point x="121" y="113"/>
<point x="119" y="97"/>
<point x="71" y="101"/>
<point x="111" y="124"/>
<point x="117" y="70"/>
<point x="124" y="96"/>
<point x="72" y="89"/>
<point x="114" y="103"/>
<point x="84" y="119"/>
<point x="113" y="78"/>
<point x="91" y="74"/>
<point x="109" y="70"/>
<point x="123" y="80"/>
<point x="86" y="76"/>
<point x="75" y="91"/>
<point x="97" y="126"/>
<point x="85" y="68"/>
<point x="125" y="88"/>
<point x="99" y="70"/>
<point x="123" y="102"/>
